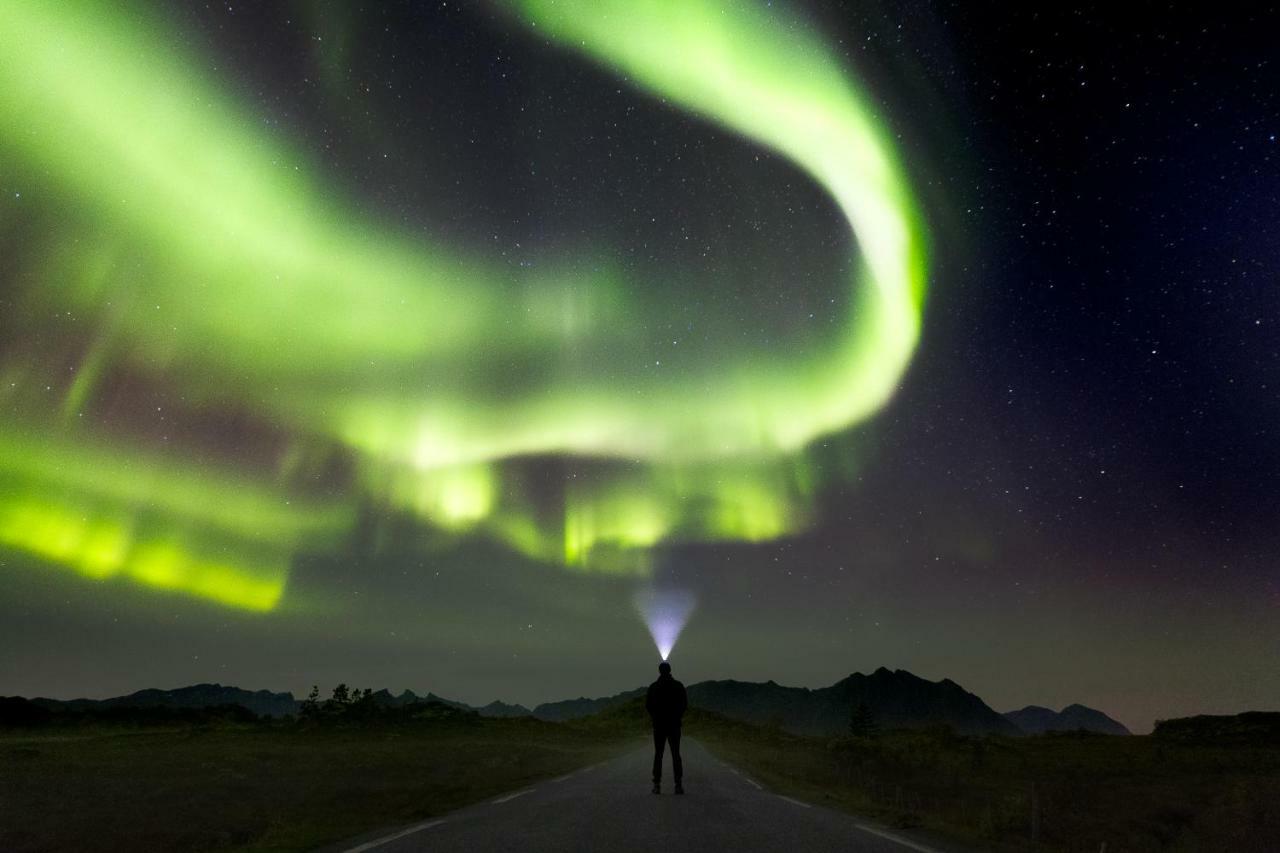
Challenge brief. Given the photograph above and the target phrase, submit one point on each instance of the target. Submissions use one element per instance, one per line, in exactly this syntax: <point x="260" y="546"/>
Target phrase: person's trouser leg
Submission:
<point x="677" y="767"/>
<point x="659" y="737"/>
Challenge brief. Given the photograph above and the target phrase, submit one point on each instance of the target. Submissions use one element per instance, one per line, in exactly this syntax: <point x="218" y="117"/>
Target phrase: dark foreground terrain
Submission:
<point x="224" y="780"/>
<point x="265" y="786"/>
<point x="1173" y="791"/>
<point x="607" y="807"/>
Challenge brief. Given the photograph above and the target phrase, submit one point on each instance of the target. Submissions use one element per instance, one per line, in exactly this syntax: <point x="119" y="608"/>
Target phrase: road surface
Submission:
<point x="609" y="808"/>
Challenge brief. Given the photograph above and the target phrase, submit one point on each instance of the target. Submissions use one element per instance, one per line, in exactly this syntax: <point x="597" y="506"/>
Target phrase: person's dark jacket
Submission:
<point x="666" y="702"/>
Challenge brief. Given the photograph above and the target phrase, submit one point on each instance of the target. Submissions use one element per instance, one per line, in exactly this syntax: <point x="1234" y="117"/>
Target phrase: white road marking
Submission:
<point x="759" y="787"/>
<point x="795" y="802"/>
<point x="896" y="839"/>
<point x="564" y="777"/>
<point x="510" y="797"/>
<point x="378" y="842"/>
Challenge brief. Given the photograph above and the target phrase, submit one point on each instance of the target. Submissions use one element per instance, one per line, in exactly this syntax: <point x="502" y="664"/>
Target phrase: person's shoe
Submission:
<point x="657" y="789"/>
<point x="679" y="788"/>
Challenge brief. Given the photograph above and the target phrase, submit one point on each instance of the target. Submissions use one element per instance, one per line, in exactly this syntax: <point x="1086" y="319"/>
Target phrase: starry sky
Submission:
<point x="409" y="343"/>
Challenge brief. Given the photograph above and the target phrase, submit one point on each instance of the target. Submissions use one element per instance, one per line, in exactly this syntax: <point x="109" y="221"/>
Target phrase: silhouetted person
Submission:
<point x="666" y="703"/>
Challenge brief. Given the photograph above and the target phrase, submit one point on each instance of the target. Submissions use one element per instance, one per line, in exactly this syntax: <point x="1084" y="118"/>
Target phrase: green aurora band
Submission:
<point x="197" y="250"/>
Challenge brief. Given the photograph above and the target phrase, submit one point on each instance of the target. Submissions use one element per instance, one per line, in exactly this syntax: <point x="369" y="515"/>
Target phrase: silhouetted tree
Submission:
<point x="363" y="707"/>
<point x="862" y="723"/>
<point x="310" y="709"/>
<point x="342" y="695"/>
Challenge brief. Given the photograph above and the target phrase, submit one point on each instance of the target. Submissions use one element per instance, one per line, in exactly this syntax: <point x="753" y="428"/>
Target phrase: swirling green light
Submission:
<point x="207" y="253"/>
<point x="155" y="520"/>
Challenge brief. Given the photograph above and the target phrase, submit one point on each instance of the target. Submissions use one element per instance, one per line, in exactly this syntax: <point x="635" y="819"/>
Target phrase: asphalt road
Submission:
<point x="609" y="808"/>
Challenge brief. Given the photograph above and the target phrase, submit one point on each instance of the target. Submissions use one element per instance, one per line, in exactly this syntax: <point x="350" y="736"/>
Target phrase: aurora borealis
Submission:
<point x="428" y="327"/>
<point x="198" y="244"/>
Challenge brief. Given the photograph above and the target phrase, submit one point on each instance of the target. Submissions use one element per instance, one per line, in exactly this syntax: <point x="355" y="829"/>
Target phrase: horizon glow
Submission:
<point x="200" y="251"/>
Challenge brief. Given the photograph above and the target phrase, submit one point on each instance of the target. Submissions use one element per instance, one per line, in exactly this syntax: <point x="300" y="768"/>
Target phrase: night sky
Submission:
<point x="405" y="344"/>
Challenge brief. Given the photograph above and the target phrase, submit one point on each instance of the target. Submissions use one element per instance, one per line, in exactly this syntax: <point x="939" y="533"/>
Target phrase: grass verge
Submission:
<point x="265" y="787"/>
<point x="1060" y="792"/>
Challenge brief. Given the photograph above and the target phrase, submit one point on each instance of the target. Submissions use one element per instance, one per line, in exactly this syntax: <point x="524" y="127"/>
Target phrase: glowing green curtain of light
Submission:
<point x="107" y="513"/>
<point x="211" y="255"/>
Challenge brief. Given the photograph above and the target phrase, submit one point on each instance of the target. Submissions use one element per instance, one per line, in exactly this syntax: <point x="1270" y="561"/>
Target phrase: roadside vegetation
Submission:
<point x="1185" y="788"/>
<point x="222" y="779"/>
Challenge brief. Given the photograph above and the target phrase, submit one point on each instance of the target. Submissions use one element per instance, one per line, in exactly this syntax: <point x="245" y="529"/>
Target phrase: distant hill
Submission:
<point x="408" y="697"/>
<point x="1251" y="727"/>
<point x="260" y="702"/>
<point x="572" y="709"/>
<point x="502" y="709"/>
<point x="387" y="699"/>
<point x="1035" y="720"/>
<point x="16" y="711"/>
<point x="895" y="699"/>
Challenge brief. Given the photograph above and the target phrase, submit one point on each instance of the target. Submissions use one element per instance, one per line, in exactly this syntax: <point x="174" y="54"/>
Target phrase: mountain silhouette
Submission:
<point x="387" y="699"/>
<point x="260" y="702"/>
<point x="1256" y="728"/>
<point x="497" y="708"/>
<point x="1035" y="720"/>
<point x="572" y="709"/>
<point x="894" y="699"/>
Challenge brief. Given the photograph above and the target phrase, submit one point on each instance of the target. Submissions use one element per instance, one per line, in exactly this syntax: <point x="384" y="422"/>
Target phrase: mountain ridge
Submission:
<point x="203" y="695"/>
<point x="893" y="698"/>
<point x="1036" y="719"/>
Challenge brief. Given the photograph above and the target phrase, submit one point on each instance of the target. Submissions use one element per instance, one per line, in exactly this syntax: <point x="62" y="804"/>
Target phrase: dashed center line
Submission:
<point x="510" y="797"/>
<point x="378" y="842"/>
<point x="795" y="802"/>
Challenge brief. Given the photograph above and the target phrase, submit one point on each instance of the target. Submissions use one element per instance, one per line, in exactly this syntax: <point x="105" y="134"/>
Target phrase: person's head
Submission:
<point x="664" y="668"/>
